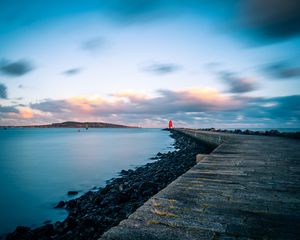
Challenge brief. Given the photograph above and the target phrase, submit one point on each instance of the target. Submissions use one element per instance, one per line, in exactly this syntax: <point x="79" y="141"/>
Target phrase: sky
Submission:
<point x="201" y="63"/>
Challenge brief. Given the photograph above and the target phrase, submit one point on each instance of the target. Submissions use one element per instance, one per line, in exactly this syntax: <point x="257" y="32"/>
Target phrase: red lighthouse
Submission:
<point x="170" y="124"/>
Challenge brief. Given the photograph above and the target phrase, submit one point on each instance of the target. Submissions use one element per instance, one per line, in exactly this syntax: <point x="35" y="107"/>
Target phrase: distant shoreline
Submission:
<point x="72" y="124"/>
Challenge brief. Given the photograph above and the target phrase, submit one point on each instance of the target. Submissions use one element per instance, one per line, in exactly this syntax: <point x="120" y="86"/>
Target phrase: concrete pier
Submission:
<point x="247" y="188"/>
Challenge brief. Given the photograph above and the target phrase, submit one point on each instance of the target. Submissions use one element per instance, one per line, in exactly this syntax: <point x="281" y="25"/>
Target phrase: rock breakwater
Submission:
<point x="272" y="132"/>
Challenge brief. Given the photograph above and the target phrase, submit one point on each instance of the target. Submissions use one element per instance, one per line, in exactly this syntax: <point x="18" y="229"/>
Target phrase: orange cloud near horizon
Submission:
<point x="136" y="102"/>
<point x="26" y="113"/>
<point x="210" y="96"/>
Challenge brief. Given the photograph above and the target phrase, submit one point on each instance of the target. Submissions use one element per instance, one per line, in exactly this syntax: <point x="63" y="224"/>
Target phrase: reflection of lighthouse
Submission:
<point x="170" y="124"/>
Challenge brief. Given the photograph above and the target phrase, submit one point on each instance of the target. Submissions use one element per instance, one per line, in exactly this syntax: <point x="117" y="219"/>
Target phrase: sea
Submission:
<point x="39" y="166"/>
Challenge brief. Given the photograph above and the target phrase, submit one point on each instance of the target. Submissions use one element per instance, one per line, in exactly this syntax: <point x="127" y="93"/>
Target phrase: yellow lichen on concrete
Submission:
<point x="153" y="222"/>
<point x="168" y="224"/>
<point x="205" y="205"/>
<point x="163" y="213"/>
<point x="155" y="204"/>
<point x="171" y="200"/>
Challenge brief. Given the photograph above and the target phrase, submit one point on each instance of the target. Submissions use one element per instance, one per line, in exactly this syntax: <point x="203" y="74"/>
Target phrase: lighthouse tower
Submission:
<point x="170" y="124"/>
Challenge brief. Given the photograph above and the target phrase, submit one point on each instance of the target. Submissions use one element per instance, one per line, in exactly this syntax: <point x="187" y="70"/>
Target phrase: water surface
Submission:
<point x="39" y="166"/>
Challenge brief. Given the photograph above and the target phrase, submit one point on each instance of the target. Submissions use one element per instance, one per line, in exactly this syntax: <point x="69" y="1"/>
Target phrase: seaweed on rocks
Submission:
<point x="95" y="212"/>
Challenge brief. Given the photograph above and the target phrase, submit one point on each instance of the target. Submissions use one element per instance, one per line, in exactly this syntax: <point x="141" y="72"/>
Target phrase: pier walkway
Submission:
<point x="247" y="188"/>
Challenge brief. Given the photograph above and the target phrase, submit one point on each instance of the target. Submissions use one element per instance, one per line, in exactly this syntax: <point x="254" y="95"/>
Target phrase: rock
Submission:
<point x="21" y="232"/>
<point x="72" y="193"/>
<point x="147" y="188"/>
<point x="22" y="229"/>
<point x="61" y="204"/>
<point x="45" y="230"/>
<point x="238" y="131"/>
<point x="272" y="132"/>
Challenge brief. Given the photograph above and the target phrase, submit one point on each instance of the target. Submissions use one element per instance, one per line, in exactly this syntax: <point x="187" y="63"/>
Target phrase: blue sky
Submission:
<point x="203" y="63"/>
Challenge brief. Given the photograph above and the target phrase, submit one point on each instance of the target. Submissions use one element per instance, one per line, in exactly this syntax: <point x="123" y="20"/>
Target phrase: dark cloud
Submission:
<point x="271" y="20"/>
<point x="136" y="11"/>
<point x="237" y="84"/>
<point x="17" y="68"/>
<point x="141" y="11"/>
<point x="93" y="44"/>
<point x="72" y="71"/>
<point x="49" y="105"/>
<point x="283" y="70"/>
<point x="278" y="108"/>
<point x="255" y="112"/>
<point x="162" y="68"/>
<point x="289" y="106"/>
<point x="8" y="109"/>
<point x="274" y="19"/>
<point x="3" y="91"/>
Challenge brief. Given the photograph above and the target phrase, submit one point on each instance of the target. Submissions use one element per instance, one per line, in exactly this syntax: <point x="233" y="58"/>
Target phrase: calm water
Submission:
<point x="39" y="166"/>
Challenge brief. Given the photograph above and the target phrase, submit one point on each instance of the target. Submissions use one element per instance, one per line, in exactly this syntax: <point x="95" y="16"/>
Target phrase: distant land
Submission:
<point x="71" y="124"/>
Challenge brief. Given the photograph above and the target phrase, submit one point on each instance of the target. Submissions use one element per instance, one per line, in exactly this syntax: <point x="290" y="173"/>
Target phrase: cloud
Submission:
<point x="138" y="109"/>
<point x="50" y="105"/>
<point x="8" y="115"/>
<point x="72" y="71"/>
<point x="194" y="107"/>
<point x="168" y="101"/>
<point x="135" y="11"/>
<point x="26" y="113"/>
<point x="193" y="100"/>
<point x="131" y="96"/>
<point x="278" y="109"/>
<point x="8" y="109"/>
<point x="237" y="84"/>
<point x="29" y="113"/>
<point x="274" y="19"/>
<point x="93" y="44"/>
<point x="162" y="68"/>
<point x="283" y="70"/>
<point x="17" y="68"/>
<point x="270" y="20"/>
<point x="256" y="112"/>
<point x="3" y="91"/>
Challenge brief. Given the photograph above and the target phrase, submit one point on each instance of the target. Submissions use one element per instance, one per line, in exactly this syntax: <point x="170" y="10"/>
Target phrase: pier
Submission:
<point x="247" y="188"/>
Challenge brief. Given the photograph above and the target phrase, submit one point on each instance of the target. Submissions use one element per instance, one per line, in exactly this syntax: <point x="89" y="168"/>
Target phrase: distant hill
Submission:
<point x="71" y="124"/>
